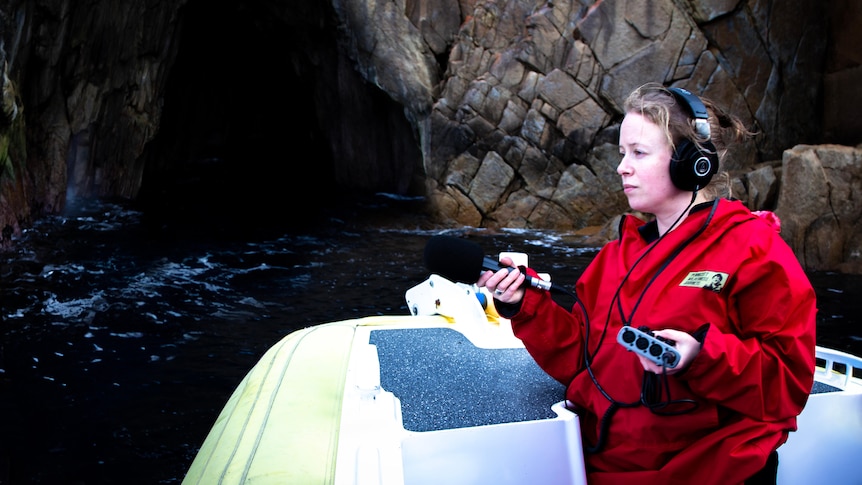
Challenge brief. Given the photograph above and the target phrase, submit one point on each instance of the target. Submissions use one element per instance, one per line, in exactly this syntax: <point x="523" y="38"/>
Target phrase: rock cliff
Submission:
<point x="501" y="113"/>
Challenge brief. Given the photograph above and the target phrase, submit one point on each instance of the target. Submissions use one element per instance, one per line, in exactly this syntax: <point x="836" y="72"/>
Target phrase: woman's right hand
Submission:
<point x="504" y="284"/>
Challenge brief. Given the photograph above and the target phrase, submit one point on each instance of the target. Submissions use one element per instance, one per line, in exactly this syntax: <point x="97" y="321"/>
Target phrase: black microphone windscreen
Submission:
<point x="454" y="259"/>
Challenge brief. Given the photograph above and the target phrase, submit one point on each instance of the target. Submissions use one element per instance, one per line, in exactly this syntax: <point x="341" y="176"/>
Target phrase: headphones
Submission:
<point x="692" y="166"/>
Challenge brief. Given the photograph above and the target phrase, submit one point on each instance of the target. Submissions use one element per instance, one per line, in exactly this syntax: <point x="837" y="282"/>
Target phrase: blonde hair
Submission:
<point x="656" y="103"/>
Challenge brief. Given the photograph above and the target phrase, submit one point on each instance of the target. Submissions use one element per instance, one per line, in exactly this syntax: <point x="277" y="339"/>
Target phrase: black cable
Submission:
<point x="670" y="259"/>
<point x="651" y="395"/>
<point x="653" y="406"/>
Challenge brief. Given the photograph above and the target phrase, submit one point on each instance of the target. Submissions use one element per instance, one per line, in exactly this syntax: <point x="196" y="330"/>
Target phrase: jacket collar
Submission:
<point x="649" y="231"/>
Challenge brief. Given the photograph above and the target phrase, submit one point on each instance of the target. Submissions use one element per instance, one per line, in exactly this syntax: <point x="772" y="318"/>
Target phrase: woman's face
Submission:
<point x="645" y="168"/>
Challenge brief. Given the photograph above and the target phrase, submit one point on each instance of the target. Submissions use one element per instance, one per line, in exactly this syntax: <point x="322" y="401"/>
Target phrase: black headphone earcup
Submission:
<point x="692" y="168"/>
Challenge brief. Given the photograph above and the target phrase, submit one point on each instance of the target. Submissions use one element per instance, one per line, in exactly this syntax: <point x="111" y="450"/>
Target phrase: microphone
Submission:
<point x="463" y="261"/>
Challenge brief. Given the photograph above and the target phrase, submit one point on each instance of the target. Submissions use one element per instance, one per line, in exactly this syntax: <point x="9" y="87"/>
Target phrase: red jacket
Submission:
<point x="750" y="380"/>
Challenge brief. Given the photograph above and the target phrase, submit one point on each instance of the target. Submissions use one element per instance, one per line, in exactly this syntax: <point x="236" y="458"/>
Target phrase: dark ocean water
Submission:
<point x="120" y="345"/>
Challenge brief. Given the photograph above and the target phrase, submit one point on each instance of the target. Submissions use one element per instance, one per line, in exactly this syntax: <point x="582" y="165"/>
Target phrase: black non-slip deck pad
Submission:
<point x="820" y="387"/>
<point x="443" y="381"/>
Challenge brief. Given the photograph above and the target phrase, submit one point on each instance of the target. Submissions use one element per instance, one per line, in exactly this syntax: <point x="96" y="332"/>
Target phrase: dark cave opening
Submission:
<point x="229" y="140"/>
<point x="254" y="116"/>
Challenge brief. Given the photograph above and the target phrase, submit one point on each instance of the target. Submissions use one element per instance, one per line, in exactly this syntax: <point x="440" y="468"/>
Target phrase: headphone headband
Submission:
<point x="697" y="109"/>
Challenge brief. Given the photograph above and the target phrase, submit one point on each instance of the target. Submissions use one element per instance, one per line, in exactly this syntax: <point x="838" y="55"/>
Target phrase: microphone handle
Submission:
<point x="493" y="265"/>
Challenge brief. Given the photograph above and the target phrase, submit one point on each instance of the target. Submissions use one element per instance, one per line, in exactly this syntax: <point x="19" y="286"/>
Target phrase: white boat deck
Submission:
<point x="448" y="411"/>
<point x="829" y="437"/>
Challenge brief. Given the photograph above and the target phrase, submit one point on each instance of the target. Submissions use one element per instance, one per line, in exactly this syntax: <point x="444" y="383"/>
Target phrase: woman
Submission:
<point x="715" y="280"/>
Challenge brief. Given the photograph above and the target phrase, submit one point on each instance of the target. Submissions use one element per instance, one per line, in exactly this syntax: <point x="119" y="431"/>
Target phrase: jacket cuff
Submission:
<point x="693" y="368"/>
<point x="507" y="310"/>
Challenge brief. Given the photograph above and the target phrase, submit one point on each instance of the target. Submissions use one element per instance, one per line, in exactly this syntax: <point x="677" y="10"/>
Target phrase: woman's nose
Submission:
<point x="623" y="168"/>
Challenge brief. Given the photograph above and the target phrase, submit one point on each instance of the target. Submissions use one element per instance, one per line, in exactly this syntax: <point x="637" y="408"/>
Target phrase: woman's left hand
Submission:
<point x="687" y="346"/>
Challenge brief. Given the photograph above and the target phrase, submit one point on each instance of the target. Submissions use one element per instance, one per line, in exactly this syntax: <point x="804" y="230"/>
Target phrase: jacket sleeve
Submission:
<point x="552" y="334"/>
<point x="761" y="361"/>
